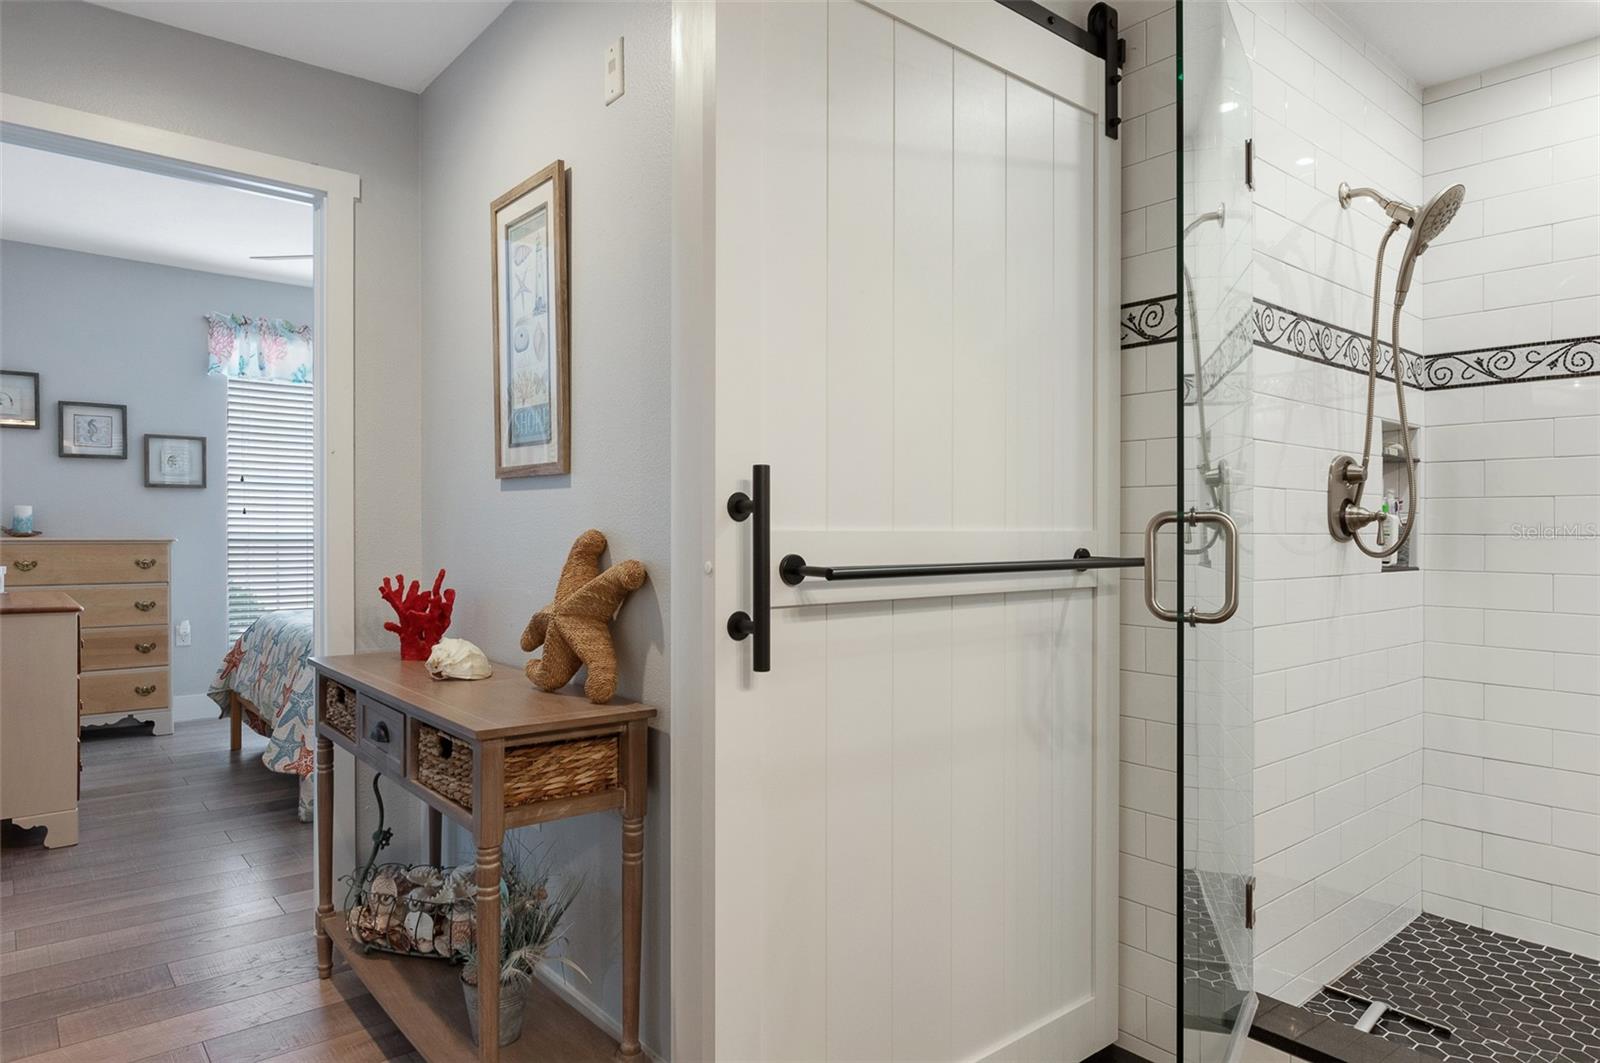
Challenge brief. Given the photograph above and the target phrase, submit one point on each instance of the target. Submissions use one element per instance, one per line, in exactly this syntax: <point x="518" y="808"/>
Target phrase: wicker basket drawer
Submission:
<point x="546" y="772"/>
<point x="338" y="708"/>
<point x="42" y="562"/>
<point x="134" y="690"/>
<point x="124" y="647"/>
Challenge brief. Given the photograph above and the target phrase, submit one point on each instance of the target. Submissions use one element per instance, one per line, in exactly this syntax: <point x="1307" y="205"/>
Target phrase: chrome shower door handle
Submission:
<point x="1230" y="534"/>
<point x="1151" y="601"/>
<point x="1230" y="567"/>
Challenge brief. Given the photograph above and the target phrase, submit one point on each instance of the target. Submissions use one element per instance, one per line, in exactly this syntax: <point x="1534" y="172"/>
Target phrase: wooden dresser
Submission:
<point x="39" y="713"/>
<point x="122" y="585"/>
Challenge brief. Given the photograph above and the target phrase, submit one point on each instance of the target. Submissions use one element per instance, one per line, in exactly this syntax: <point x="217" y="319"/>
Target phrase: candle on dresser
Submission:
<point x="22" y="520"/>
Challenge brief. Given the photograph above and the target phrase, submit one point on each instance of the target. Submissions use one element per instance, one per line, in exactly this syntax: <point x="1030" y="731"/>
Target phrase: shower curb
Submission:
<point x="1322" y="1039"/>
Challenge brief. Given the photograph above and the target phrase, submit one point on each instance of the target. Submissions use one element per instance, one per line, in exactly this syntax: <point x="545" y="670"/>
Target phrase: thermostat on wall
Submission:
<point x="614" y="85"/>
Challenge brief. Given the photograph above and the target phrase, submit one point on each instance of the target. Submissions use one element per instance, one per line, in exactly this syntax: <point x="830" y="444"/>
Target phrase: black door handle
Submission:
<point x="379" y="732"/>
<point x="758" y="621"/>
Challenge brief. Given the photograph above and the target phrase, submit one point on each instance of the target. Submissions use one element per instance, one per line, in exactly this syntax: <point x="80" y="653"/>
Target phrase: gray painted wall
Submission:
<point x="527" y="92"/>
<point x="94" y="59"/>
<point x="110" y="330"/>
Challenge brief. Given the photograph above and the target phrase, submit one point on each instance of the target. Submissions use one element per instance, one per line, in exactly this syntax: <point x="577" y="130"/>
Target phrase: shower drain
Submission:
<point x="1381" y="1017"/>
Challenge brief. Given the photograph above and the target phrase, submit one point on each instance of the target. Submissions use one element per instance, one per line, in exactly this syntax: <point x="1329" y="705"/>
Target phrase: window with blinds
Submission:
<point x="270" y="499"/>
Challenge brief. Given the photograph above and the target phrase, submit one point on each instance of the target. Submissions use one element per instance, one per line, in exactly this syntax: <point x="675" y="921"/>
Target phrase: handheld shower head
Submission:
<point x="1428" y="223"/>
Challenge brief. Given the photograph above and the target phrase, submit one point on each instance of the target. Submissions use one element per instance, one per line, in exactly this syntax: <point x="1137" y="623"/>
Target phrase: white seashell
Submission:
<point x="458" y="659"/>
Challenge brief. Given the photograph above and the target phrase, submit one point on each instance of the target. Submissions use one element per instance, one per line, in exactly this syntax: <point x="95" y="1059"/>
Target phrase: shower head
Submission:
<point x="1426" y="225"/>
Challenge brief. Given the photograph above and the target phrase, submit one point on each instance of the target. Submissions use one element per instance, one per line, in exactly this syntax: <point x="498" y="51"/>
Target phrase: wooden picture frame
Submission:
<point x="83" y="425"/>
<point x="167" y="465"/>
<point x="530" y="307"/>
<point x="19" y="392"/>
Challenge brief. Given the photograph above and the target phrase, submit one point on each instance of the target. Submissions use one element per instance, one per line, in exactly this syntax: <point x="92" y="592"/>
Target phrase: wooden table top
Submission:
<point x="26" y="601"/>
<point x="506" y="705"/>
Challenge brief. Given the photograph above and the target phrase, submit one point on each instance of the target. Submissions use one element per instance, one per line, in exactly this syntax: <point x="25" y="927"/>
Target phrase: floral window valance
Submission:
<point x="258" y="348"/>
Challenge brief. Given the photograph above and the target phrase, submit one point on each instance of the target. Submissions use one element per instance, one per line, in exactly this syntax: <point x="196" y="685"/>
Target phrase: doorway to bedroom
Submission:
<point x="163" y="323"/>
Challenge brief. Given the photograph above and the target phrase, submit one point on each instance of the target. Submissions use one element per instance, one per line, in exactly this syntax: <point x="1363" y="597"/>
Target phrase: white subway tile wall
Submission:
<point x="1525" y="140"/>
<point x="1511" y="805"/>
<point x="1338" y="642"/>
<point x="1147" y="969"/>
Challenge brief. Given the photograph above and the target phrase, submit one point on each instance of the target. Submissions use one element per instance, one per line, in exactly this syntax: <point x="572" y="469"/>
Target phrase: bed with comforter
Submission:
<point x="266" y="682"/>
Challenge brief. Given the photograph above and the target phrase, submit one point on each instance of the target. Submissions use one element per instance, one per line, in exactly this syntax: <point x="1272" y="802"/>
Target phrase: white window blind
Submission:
<point x="270" y="499"/>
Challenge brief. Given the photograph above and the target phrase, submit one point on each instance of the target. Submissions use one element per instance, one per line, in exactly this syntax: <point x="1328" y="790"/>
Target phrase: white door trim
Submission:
<point x="332" y="195"/>
<point x="698" y="493"/>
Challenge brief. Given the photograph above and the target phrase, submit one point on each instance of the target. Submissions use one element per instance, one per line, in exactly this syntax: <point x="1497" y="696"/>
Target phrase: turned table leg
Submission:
<point x="633" y="884"/>
<point x="324" y="815"/>
<point x="488" y="827"/>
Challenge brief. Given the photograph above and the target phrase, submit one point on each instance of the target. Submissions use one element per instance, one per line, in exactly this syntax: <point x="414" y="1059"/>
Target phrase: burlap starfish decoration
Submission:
<point x="575" y="629"/>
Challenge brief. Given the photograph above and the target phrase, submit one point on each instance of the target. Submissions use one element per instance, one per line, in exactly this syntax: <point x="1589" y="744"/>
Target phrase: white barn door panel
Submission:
<point x="914" y="827"/>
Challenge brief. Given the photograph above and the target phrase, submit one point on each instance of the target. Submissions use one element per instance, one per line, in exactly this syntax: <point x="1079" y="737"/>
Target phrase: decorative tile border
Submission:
<point x="1289" y="332"/>
<point x="1551" y="360"/>
<point x="1277" y="328"/>
<point x="1150" y="321"/>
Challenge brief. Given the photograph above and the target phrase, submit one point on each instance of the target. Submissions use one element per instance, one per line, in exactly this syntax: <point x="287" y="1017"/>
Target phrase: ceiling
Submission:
<point x="1436" y="42"/>
<point x="101" y="209"/>
<point x="403" y="44"/>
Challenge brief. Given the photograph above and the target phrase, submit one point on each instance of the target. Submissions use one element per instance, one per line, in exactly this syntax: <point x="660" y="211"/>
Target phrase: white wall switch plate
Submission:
<point x="614" y="82"/>
<point x="183" y="637"/>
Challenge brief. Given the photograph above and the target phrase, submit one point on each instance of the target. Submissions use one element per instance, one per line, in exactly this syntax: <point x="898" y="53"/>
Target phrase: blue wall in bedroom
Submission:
<point x="111" y="330"/>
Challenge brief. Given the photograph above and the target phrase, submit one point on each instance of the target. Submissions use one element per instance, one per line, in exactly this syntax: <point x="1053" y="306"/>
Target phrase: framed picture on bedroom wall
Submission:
<point x="532" y="386"/>
<point x="93" y="430"/>
<point x="19" y="399"/>
<point x="174" y="461"/>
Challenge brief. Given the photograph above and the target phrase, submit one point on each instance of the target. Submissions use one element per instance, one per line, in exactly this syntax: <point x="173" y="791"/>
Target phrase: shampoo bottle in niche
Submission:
<point x="1403" y="555"/>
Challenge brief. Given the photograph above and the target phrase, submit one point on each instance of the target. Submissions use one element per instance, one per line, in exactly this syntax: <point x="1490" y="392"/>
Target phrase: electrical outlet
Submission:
<point x="614" y="82"/>
<point x="183" y="637"/>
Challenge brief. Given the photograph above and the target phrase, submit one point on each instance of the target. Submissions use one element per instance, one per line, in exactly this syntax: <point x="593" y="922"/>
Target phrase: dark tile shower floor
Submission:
<point x="1504" y="1000"/>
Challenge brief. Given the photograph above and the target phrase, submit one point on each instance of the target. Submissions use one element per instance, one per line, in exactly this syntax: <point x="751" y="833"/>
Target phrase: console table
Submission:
<point x="492" y="754"/>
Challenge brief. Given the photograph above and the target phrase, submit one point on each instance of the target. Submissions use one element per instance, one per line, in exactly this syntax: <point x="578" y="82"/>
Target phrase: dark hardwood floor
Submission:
<point x="178" y="930"/>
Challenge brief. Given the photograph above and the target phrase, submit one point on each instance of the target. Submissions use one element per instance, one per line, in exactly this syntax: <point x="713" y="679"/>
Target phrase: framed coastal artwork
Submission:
<point x="19" y="399"/>
<point x="532" y="387"/>
<point x="174" y="461"/>
<point x="93" y="430"/>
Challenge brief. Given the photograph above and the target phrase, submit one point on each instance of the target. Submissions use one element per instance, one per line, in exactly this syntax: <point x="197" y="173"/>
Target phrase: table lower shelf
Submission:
<point x="423" y="998"/>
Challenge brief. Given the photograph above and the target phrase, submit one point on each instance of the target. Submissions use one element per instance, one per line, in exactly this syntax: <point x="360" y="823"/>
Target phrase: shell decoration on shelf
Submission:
<point x="418" y="910"/>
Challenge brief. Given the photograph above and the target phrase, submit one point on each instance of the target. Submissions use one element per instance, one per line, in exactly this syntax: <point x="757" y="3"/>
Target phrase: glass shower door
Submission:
<point x="1216" y="883"/>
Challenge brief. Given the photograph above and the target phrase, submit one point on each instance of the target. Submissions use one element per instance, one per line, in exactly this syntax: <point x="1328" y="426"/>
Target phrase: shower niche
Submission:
<point x="1396" y="500"/>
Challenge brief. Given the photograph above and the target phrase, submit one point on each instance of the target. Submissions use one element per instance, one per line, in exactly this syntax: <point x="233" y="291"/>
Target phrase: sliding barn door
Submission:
<point x="915" y="808"/>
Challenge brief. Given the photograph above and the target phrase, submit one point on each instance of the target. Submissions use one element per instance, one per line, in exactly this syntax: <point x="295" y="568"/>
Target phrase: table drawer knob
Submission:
<point x="145" y="691"/>
<point x="25" y="566"/>
<point x="144" y="607"/>
<point x="144" y="647"/>
<point x="379" y="732"/>
<point x="145" y="562"/>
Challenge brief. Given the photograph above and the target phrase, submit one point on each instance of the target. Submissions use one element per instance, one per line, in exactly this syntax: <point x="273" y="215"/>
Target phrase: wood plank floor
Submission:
<point x="178" y="930"/>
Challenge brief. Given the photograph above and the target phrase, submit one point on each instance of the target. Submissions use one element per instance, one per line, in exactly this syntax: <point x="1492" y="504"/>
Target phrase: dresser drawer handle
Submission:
<point x="144" y="647"/>
<point x="145" y="562"/>
<point x="379" y="732"/>
<point x="25" y="566"/>
<point x="145" y="691"/>
<point x="144" y="607"/>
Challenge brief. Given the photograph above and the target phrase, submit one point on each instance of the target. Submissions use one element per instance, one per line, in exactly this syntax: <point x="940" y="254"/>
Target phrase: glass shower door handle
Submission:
<point x="1230" y="538"/>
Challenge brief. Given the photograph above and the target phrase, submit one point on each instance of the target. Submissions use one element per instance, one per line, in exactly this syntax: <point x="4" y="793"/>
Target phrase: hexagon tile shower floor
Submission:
<point x="1503" y="998"/>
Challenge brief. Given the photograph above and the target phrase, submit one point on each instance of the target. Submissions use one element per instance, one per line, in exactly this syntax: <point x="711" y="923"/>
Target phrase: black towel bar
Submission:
<point x="793" y="569"/>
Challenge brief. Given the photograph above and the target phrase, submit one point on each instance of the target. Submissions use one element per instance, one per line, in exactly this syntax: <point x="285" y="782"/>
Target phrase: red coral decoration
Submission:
<point x="424" y="616"/>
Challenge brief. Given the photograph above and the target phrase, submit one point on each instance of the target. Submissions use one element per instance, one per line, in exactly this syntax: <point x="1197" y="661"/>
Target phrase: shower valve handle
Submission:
<point x="1356" y="517"/>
